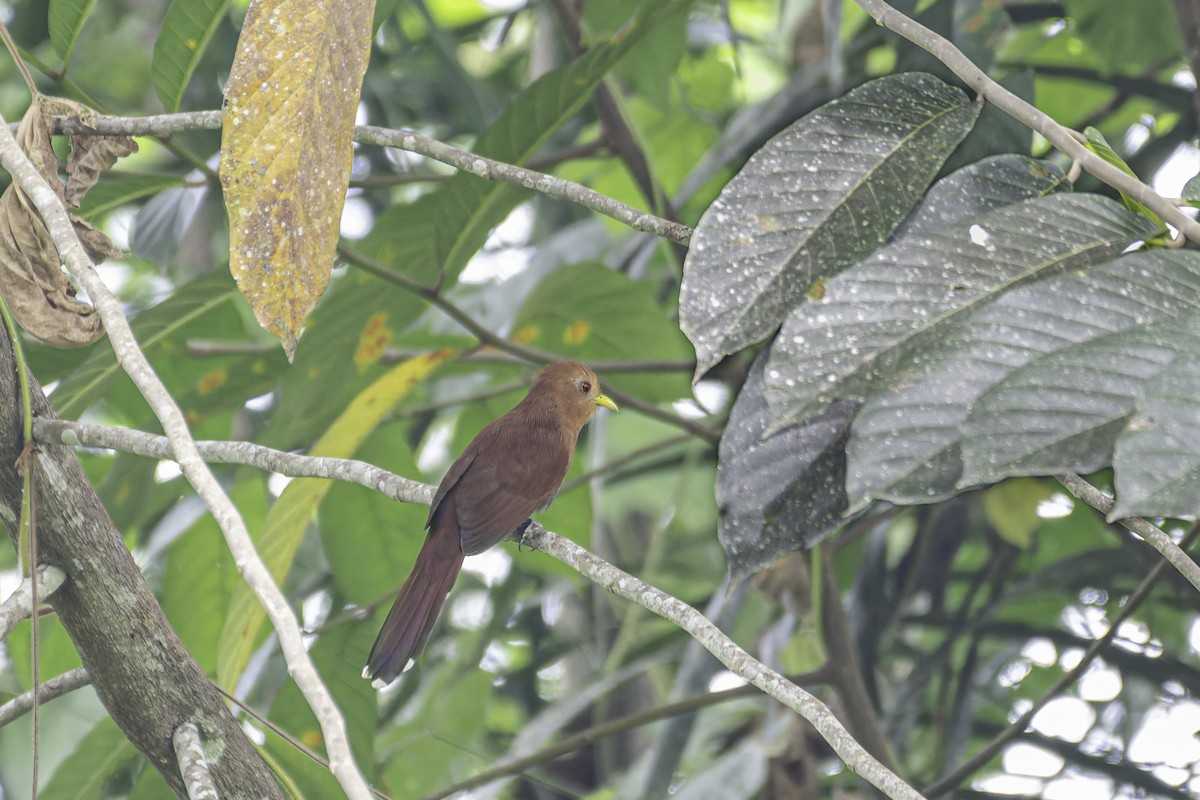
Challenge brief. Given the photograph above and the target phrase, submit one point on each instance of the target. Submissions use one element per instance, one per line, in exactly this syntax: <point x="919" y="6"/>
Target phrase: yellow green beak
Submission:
<point x="606" y="401"/>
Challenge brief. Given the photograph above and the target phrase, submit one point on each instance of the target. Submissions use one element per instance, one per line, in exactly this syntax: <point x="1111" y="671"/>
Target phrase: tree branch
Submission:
<point x="414" y="143"/>
<point x="192" y="763"/>
<point x="733" y="657"/>
<point x="57" y="686"/>
<point x="1069" y="142"/>
<point x="1155" y="537"/>
<point x="127" y="440"/>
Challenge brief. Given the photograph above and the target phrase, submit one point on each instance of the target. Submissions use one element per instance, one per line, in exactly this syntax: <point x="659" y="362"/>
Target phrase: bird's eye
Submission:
<point x="585" y="386"/>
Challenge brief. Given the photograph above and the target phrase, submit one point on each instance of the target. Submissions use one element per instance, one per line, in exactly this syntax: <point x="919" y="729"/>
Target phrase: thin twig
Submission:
<point x="19" y="605"/>
<point x="462" y="160"/>
<point x="529" y="354"/>
<point x="1155" y="537"/>
<point x="57" y="686"/>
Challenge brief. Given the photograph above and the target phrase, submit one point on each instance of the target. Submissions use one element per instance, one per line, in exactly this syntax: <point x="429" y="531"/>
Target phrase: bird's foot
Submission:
<point x="518" y="534"/>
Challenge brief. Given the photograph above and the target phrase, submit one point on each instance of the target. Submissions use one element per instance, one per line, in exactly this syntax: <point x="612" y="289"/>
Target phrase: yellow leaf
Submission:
<point x="294" y="509"/>
<point x="286" y="147"/>
<point x="1011" y="508"/>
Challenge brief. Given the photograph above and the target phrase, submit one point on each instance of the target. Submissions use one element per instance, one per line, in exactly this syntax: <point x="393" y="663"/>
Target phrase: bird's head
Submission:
<point x="573" y="387"/>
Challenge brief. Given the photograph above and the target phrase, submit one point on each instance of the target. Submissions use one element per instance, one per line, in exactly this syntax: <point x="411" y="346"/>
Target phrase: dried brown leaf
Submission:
<point x="32" y="281"/>
<point x="286" y="148"/>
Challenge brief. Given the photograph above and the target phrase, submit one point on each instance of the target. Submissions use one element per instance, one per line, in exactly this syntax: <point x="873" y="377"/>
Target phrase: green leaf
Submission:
<point x="1157" y="458"/>
<point x="1100" y="146"/>
<point x="1012" y="509"/>
<point x="469" y="207"/>
<point x="1191" y="191"/>
<point x="779" y="491"/>
<point x="589" y="312"/>
<point x="371" y="540"/>
<point x="186" y="29"/>
<point x="196" y="601"/>
<point x="908" y="437"/>
<point x="66" y="19"/>
<point x="153" y="328"/>
<point x="814" y="200"/>
<point x="907" y="295"/>
<point x="1065" y="410"/>
<point x="119" y="189"/>
<point x="1108" y="29"/>
<point x="104" y="755"/>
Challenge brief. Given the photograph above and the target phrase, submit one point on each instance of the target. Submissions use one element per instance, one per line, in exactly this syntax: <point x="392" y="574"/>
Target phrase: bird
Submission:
<point x="510" y="470"/>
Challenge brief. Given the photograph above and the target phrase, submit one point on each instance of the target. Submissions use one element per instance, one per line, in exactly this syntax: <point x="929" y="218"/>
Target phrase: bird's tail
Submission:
<point x="409" y="623"/>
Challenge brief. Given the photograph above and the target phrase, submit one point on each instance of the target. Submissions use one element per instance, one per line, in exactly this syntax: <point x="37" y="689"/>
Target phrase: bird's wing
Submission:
<point x="506" y="482"/>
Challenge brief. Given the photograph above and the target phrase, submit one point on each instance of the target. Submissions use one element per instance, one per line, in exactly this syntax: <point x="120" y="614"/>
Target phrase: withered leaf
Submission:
<point x="286" y="148"/>
<point x="32" y="281"/>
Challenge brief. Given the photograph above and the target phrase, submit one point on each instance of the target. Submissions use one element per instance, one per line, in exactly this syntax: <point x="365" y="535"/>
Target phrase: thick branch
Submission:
<point x="141" y="672"/>
<point x="134" y="362"/>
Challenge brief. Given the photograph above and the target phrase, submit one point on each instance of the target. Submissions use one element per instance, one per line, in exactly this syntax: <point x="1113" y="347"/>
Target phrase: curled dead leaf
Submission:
<point x="32" y="281"/>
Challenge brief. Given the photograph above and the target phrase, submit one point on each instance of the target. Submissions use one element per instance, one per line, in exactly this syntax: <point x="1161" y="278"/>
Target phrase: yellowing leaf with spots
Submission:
<point x="286" y="148"/>
<point x="291" y="513"/>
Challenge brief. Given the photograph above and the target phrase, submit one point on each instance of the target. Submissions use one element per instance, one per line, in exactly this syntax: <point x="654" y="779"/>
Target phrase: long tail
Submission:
<point x="409" y="623"/>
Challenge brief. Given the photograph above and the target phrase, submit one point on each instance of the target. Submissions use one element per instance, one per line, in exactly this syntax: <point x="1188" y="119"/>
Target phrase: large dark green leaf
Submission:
<point x="1064" y="411"/>
<point x="907" y="439"/>
<point x="816" y="199"/>
<point x="782" y="491"/>
<point x="1157" y="459"/>
<point x="905" y="297"/>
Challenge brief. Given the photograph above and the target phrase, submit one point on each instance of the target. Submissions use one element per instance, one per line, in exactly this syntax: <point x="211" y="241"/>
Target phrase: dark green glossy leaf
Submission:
<point x="907" y="296"/>
<point x="1064" y="411"/>
<point x="815" y="200"/>
<point x="778" y="491"/>
<point x="1157" y="459"/>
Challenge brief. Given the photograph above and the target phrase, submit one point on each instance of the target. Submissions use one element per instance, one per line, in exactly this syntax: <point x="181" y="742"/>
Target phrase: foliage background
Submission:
<point x="960" y="613"/>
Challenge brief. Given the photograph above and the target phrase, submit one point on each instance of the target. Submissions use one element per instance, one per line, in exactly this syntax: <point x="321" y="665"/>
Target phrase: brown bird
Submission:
<point x="510" y="470"/>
